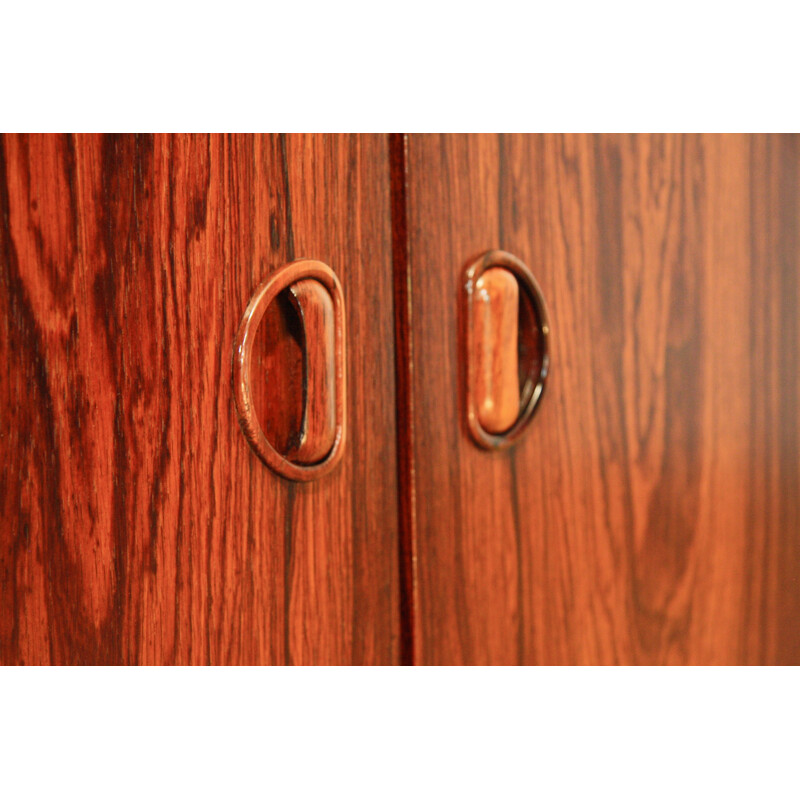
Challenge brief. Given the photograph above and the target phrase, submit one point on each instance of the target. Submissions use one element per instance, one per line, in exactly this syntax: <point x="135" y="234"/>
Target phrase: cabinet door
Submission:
<point x="137" y="525"/>
<point x="651" y="513"/>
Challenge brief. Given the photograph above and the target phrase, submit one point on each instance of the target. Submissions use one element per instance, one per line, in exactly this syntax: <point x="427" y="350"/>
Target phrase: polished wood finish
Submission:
<point x="651" y="513"/>
<point x="317" y="295"/>
<point x="495" y="322"/>
<point x="137" y="524"/>
<point x="318" y="431"/>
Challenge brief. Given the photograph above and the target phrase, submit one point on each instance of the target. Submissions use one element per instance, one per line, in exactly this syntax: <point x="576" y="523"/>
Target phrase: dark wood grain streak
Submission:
<point x="651" y="513"/>
<point x="137" y="525"/>
<point x="404" y="356"/>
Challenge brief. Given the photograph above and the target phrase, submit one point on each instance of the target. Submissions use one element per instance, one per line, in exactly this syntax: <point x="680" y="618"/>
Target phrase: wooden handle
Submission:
<point x="495" y="310"/>
<point x="317" y="295"/>
<point x="505" y="367"/>
<point x="318" y="429"/>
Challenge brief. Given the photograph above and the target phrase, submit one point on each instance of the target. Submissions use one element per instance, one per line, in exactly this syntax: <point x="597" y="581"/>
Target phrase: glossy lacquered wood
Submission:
<point x="651" y="512"/>
<point x="317" y="296"/>
<point x="137" y="524"/>
<point x="649" y="515"/>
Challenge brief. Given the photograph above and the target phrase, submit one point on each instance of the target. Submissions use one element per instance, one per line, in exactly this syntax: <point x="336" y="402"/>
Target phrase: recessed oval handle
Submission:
<point x="316" y="294"/>
<point x="502" y="300"/>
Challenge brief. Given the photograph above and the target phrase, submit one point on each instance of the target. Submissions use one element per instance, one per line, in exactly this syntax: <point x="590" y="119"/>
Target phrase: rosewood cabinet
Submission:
<point x="138" y="526"/>
<point x="649" y="513"/>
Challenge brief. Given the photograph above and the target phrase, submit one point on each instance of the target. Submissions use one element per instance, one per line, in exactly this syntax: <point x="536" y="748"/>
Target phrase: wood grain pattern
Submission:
<point x="651" y="514"/>
<point x="137" y="525"/>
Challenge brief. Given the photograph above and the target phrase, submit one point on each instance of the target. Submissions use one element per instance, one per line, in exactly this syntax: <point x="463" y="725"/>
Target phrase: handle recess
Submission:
<point x="316" y="294"/>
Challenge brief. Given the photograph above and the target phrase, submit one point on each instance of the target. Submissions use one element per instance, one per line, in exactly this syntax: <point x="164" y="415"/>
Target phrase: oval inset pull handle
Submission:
<point x="316" y="294"/>
<point x="506" y="347"/>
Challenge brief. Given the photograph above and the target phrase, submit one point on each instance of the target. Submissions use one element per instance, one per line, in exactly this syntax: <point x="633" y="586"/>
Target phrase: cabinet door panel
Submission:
<point x="137" y="525"/>
<point x="651" y="513"/>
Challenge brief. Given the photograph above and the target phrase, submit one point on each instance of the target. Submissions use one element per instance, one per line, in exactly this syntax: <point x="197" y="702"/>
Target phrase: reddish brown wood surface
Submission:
<point x="137" y="525"/>
<point x="651" y="513"/>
